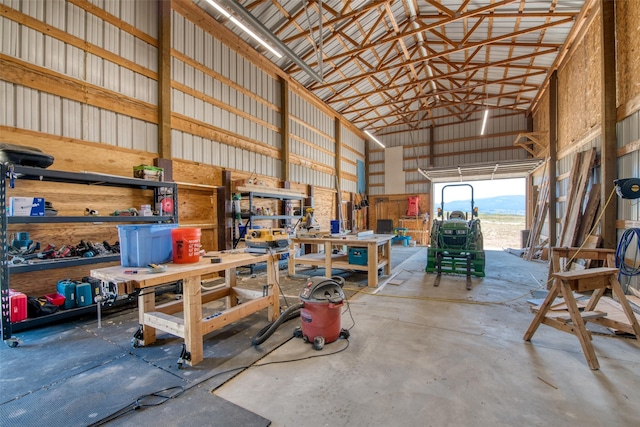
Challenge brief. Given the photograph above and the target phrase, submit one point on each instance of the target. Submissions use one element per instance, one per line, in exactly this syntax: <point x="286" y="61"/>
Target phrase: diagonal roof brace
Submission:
<point x="263" y="31"/>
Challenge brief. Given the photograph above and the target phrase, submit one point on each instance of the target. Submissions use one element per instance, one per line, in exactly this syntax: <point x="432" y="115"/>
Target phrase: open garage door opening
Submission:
<point x="501" y="207"/>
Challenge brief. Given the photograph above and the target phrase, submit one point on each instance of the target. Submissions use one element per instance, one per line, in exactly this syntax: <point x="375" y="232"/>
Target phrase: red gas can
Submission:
<point x="17" y="306"/>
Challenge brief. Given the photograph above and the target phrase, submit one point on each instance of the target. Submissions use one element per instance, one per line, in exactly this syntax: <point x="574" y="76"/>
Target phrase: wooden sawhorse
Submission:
<point x="591" y="279"/>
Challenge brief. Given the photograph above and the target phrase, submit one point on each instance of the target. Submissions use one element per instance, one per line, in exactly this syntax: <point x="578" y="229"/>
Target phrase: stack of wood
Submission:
<point x="577" y="223"/>
<point x="579" y="216"/>
<point x="534" y="247"/>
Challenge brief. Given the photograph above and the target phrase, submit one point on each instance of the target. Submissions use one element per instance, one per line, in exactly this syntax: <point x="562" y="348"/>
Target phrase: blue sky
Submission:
<point x="481" y="189"/>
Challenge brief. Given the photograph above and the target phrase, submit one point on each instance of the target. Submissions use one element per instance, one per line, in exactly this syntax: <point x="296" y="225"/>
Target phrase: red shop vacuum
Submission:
<point x="322" y="299"/>
<point x="321" y="302"/>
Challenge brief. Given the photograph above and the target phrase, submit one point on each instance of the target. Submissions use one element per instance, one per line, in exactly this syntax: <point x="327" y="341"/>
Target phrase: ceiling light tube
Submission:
<point x="484" y="121"/>
<point x="423" y="173"/>
<point x="259" y="28"/>
<point x="374" y="138"/>
<point x="244" y="28"/>
<point x="255" y="37"/>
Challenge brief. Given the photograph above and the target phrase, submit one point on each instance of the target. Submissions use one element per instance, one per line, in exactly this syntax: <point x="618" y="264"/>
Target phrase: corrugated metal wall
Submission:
<point x="629" y="164"/>
<point x="352" y="151"/>
<point x="312" y="141"/>
<point x="629" y="167"/>
<point x="214" y="88"/>
<point x="224" y="90"/>
<point x="455" y="144"/>
<point x="43" y="112"/>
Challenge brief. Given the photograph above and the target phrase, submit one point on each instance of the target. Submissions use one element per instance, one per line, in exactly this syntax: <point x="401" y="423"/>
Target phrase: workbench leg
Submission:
<point x="387" y="254"/>
<point x="230" y="282"/>
<point x="372" y="264"/>
<point x="581" y="330"/>
<point x="193" y="319"/>
<point x="291" y="262"/>
<point x="146" y="304"/>
<point x="553" y="293"/>
<point x="328" y="247"/>
<point x="273" y="312"/>
<point x="622" y="299"/>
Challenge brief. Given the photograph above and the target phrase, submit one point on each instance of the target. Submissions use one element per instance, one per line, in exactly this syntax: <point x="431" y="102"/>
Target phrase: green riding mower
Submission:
<point x="456" y="243"/>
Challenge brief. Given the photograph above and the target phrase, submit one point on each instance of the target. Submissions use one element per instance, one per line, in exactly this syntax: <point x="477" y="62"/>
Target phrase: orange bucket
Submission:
<point x="186" y="245"/>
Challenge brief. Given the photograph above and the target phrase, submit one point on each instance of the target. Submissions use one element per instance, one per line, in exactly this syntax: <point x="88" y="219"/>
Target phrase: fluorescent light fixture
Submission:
<point x="374" y="138"/>
<point x="424" y="173"/>
<point x="484" y="121"/>
<point x="244" y="28"/>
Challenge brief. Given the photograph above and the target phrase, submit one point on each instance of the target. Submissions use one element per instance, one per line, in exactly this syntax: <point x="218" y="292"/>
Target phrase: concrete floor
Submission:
<point x="418" y="355"/>
<point x="425" y="356"/>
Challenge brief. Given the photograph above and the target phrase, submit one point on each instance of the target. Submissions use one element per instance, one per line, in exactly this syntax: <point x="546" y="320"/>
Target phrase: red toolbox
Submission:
<point x="17" y="306"/>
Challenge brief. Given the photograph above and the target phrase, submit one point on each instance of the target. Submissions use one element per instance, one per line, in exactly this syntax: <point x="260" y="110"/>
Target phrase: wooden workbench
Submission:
<point x="378" y="254"/>
<point x="193" y="327"/>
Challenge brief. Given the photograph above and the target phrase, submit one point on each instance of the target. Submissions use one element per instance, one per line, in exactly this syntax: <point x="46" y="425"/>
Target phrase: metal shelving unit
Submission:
<point x="12" y="174"/>
<point x="250" y="217"/>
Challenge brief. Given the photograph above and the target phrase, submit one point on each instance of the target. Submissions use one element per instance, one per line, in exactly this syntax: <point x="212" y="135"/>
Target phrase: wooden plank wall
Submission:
<point x="394" y="207"/>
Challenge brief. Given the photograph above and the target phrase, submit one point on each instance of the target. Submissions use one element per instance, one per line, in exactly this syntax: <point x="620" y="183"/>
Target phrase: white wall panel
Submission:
<point x="32" y="46"/>
<point x="112" y="6"/>
<point x="177" y="101"/>
<point x="55" y="14"/>
<point x="124" y="131"/>
<point x="54" y="52"/>
<point x="7" y="104"/>
<point x="146" y="17"/>
<point x="75" y="21"/>
<point x="91" y="124"/>
<point x="9" y="42"/>
<point x="628" y="129"/>
<point x="176" y="144"/>
<point x="107" y="129"/>
<point x="27" y="108"/>
<point x="34" y="9"/>
<point x="51" y="114"/>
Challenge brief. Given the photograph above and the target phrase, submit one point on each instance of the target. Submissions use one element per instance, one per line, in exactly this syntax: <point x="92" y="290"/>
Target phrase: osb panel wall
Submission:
<point x="628" y="54"/>
<point x="324" y="207"/>
<point x="579" y="89"/>
<point x="541" y="121"/>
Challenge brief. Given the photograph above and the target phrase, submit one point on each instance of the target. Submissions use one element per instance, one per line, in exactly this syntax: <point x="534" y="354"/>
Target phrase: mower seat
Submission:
<point x="456" y="215"/>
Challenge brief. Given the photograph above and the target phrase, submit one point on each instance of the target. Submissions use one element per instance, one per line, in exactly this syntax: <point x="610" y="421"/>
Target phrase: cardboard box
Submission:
<point x="26" y="206"/>
<point x="151" y="173"/>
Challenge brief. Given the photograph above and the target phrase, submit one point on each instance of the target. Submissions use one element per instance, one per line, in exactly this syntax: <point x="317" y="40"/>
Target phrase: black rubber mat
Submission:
<point x="76" y="374"/>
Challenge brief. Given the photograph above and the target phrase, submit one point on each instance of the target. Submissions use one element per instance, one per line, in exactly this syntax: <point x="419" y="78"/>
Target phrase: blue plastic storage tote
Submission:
<point x="144" y="244"/>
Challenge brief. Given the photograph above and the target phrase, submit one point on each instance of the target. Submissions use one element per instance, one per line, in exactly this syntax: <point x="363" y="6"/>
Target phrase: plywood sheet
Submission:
<point x="579" y="89"/>
<point x="628" y="57"/>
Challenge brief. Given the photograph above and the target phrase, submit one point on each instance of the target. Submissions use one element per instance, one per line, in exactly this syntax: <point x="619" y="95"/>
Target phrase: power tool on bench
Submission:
<point x="267" y="238"/>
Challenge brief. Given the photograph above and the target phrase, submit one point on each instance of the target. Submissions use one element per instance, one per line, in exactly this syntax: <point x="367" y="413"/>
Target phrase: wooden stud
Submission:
<point x="608" y="155"/>
<point x="146" y="303"/>
<point x="164" y="79"/>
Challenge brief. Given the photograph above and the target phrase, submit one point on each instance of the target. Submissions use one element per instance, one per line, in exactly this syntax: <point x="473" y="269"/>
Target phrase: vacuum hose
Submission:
<point x="290" y="313"/>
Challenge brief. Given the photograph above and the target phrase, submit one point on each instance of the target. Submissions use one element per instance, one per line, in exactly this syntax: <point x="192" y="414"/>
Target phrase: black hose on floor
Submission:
<point x="289" y="314"/>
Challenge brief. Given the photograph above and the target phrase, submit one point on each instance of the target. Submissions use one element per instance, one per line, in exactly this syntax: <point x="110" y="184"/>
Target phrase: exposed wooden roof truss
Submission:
<point x="412" y="63"/>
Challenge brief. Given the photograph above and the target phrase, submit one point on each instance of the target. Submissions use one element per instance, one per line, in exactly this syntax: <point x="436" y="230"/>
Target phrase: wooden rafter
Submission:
<point x="532" y="138"/>
<point x="402" y="63"/>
